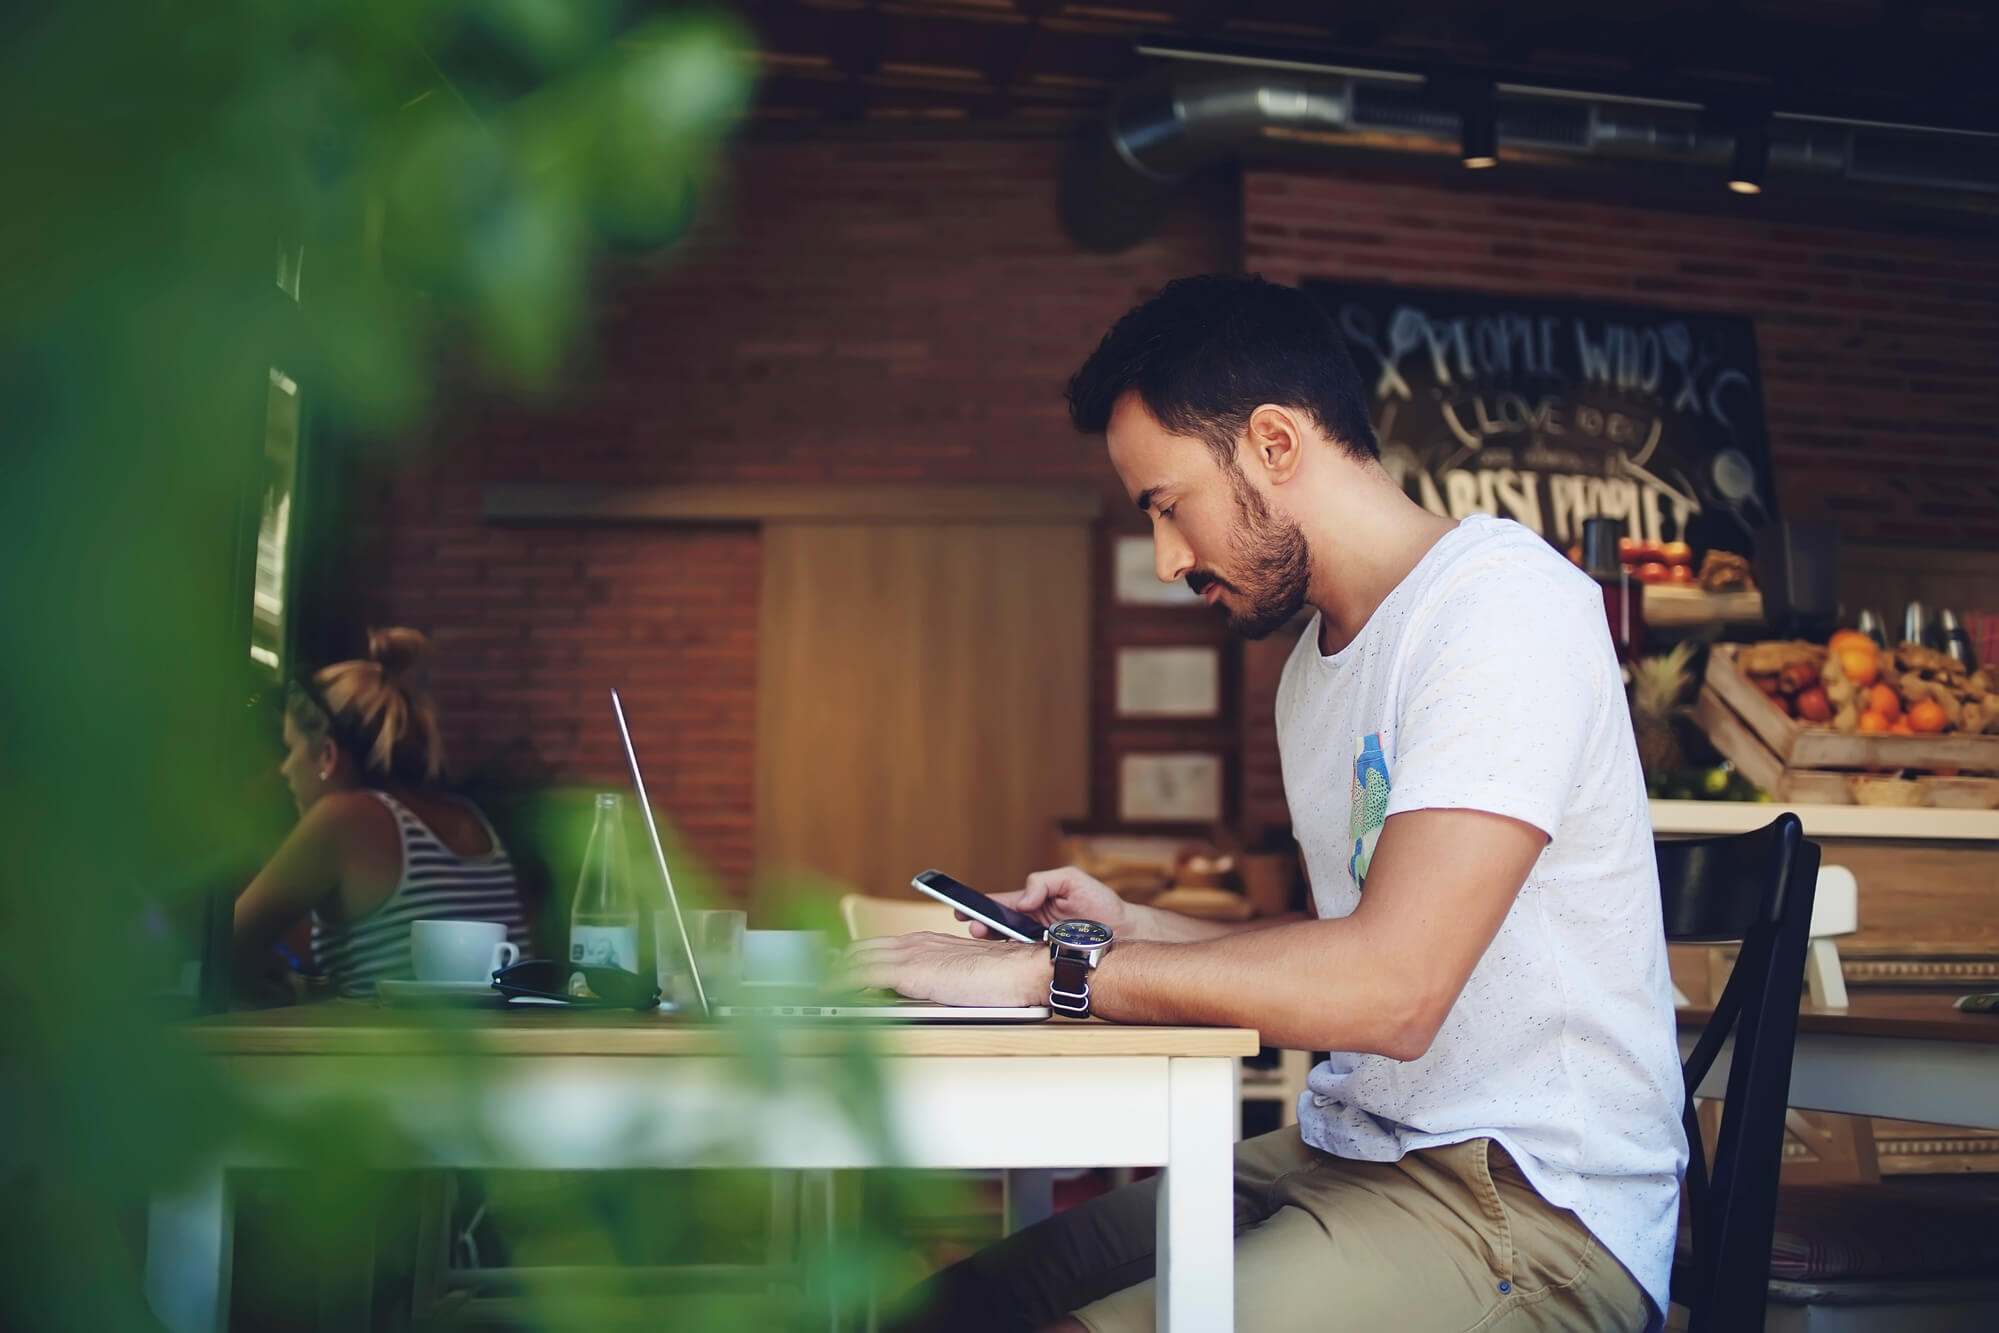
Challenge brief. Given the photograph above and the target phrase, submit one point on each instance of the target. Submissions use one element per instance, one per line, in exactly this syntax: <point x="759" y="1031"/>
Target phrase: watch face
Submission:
<point x="1079" y="932"/>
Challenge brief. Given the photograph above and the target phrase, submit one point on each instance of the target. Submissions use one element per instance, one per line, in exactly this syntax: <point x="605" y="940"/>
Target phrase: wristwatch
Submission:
<point x="1076" y="947"/>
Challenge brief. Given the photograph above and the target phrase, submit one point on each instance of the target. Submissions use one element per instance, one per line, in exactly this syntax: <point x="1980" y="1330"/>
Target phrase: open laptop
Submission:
<point x="897" y="1010"/>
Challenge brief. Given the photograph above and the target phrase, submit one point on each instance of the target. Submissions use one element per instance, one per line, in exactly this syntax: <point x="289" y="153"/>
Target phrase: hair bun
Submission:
<point x="397" y="651"/>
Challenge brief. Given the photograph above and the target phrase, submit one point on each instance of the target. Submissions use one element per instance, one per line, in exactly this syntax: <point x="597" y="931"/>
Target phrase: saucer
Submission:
<point x="436" y="992"/>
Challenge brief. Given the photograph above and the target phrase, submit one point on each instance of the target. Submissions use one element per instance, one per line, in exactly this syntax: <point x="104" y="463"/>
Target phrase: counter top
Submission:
<point x="348" y="1027"/>
<point x="1827" y="821"/>
<point x="1912" y="1017"/>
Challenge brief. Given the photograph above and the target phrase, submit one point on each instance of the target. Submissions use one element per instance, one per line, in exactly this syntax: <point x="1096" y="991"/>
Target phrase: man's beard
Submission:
<point x="1272" y="562"/>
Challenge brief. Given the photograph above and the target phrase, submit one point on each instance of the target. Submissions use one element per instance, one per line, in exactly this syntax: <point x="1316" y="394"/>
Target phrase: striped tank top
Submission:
<point x="437" y="884"/>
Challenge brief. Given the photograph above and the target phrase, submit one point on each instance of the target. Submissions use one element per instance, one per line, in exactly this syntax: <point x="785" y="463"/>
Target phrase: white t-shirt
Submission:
<point x="1486" y="681"/>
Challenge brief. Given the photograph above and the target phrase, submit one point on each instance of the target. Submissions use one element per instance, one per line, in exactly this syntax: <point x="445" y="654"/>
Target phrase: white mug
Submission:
<point x="460" y="950"/>
<point x="784" y="957"/>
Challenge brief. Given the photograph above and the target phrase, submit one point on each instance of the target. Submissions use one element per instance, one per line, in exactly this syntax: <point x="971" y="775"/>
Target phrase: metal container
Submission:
<point x="1956" y="642"/>
<point x="1919" y="625"/>
<point x="1869" y="622"/>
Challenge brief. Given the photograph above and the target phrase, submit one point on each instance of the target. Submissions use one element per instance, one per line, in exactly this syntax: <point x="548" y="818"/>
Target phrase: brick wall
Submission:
<point x="1879" y="350"/>
<point x="869" y="311"/>
<point x="851" y="313"/>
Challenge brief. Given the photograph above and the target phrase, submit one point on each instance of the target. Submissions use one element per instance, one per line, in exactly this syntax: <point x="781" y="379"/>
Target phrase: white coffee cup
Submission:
<point x="784" y="957"/>
<point x="460" y="950"/>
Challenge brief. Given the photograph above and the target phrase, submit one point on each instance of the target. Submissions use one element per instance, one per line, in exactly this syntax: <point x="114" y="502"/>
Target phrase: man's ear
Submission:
<point x="329" y="755"/>
<point x="1275" y="442"/>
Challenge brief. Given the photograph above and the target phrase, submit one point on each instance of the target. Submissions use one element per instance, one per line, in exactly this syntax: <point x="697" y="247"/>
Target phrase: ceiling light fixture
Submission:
<point x="1478" y="133"/>
<point x="1751" y="159"/>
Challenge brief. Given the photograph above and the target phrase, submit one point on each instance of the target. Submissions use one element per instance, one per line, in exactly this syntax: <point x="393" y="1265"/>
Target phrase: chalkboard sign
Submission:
<point x="1551" y="412"/>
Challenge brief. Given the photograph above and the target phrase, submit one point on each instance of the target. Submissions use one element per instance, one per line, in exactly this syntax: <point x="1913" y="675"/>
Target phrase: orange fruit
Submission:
<point x="1901" y="727"/>
<point x="1881" y="698"/>
<point x="1873" y="722"/>
<point x="1927" y="717"/>
<point x="1860" y="665"/>
<point x="1849" y="638"/>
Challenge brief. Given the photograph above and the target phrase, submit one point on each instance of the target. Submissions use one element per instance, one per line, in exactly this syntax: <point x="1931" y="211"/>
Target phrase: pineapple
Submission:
<point x="1657" y="686"/>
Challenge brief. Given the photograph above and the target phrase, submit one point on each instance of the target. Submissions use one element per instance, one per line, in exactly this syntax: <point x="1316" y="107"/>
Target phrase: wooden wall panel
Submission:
<point x="922" y="700"/>
<point x="1887" y="578"/>
<point x="1921" y="899"/>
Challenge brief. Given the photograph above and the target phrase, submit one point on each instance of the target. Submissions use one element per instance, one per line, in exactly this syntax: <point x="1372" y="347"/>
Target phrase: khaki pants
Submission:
<point x="1446" y="1240"/>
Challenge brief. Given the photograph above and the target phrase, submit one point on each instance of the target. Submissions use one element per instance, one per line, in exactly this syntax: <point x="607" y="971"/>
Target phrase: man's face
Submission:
<point x="1210" y="525"/>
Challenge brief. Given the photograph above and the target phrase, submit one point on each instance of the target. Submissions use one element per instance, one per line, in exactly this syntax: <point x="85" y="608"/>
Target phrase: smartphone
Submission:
<point x="980" y="908"/>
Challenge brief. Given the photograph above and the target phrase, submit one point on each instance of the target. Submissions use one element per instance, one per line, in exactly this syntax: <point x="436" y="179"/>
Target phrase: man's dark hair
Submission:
<point x="1208" y="351"/>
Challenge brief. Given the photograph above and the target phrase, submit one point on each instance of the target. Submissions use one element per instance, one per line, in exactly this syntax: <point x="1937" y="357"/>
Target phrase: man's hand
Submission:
<point x="1383" y="979"/>
<point x="1063" y="895"/>
<point x="950" y="969"/>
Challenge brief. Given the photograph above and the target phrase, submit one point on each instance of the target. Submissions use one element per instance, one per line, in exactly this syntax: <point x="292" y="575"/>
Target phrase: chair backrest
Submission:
<point x="868" y="917"/>
<point x="1757" y="888"/>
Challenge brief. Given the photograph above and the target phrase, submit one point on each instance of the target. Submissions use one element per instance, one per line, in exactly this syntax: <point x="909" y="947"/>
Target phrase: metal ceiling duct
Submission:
<point x="1161" y="129"/>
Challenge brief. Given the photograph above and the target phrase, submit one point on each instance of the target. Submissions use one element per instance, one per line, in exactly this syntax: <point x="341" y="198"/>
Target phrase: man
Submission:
<point x="1495" y="1142"/>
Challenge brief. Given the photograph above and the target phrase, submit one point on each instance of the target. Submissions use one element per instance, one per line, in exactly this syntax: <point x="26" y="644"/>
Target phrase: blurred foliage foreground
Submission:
<point x="440" y="174"/>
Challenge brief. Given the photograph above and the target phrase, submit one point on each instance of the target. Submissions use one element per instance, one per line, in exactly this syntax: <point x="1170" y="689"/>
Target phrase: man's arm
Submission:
<point x="1155" y="924"/>
<point x="1381" y="980"/>
<point x="1067" y="894"/>
<point x="1151" y="923"/>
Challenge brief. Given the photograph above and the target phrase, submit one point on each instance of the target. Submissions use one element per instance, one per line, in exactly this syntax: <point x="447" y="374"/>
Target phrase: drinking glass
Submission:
<point x="717" y="940"/>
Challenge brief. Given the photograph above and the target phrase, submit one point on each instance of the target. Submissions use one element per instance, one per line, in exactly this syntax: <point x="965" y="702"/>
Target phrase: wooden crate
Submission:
<point x="1742" y="746"/>
<point x="1797" y="745"/>
<point x="1739" y="743"/>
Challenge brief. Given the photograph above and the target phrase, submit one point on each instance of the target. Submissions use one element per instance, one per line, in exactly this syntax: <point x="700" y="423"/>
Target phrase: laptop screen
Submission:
<point x="659" y="858"/>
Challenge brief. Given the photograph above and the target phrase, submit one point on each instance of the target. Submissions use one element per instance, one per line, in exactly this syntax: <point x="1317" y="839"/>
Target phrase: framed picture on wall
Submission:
<point x="1181" y="682"/>
<point x="1175" y="786"/>
<point x="1136" y="584"/>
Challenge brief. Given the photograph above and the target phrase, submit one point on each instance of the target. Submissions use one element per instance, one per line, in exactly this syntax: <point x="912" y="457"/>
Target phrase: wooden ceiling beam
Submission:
<point x="1006" y="58"/>
<point x="858" y="53"/>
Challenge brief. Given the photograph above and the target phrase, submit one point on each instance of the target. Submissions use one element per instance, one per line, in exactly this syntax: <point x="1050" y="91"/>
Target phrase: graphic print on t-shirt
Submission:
<point x="1369" y="808"/>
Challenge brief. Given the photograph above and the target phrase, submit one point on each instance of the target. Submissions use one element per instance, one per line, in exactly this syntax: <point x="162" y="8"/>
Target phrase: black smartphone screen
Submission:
<point x="979" y="907"/>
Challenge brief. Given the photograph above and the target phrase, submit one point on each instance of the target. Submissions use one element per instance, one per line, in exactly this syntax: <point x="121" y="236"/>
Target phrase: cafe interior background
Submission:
<point x="753" y="410"/>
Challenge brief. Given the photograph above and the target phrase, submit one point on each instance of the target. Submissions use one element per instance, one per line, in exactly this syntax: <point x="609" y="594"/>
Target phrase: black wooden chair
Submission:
<point x="1755" y="888"/>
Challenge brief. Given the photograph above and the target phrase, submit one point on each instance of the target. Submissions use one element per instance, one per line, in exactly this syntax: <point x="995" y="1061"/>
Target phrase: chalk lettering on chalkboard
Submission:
<point x="1551" y="412"/>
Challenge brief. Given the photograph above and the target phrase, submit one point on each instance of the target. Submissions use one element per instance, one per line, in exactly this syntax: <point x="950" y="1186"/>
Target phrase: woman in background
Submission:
<point x="378" y="843"/>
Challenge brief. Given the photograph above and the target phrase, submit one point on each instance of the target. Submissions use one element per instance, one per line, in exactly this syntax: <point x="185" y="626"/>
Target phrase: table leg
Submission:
<point x="190" y="1236"/>
<point x="1029" y="1196"/>
<point x="819" y="1213"/>
<point x="1195" y="1287"/>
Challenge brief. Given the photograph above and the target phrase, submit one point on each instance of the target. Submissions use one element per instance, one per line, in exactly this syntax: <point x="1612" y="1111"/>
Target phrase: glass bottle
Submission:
<point x="1623" y="596"/>
<point x="604" y="921"/>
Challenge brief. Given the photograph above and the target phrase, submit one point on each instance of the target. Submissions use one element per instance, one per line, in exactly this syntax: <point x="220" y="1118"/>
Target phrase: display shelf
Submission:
<point x="1827" y="821"/>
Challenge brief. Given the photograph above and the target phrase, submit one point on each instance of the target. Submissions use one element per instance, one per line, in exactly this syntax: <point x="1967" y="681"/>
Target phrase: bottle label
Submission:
<point x="605" y="946"/>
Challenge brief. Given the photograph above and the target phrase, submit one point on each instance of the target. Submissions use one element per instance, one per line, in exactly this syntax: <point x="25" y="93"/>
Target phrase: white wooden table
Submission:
<point x="565" y="1091"/>
<point x="1901" y="1057"/>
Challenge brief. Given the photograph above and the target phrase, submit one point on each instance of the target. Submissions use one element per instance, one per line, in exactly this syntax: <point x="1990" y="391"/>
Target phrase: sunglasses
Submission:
<point x="548" y="979"/>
